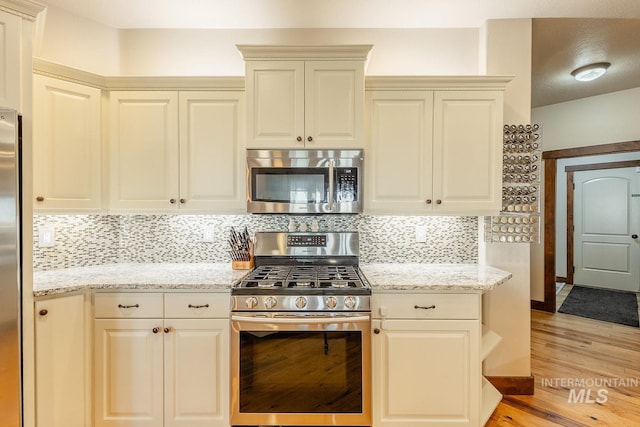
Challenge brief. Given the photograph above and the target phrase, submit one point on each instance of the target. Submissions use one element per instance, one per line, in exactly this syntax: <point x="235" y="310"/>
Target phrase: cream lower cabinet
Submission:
<point x="63" y="396"/>
<point x="162" y="371"/>
<point x="433" y="151"/>
<point x="173" y="151"/>
<point x="67" y="146"/>
<point x="427" y="361"/>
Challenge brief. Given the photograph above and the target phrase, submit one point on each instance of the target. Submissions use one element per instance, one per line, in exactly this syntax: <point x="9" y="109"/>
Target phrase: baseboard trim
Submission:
<point x="513" y="385"/>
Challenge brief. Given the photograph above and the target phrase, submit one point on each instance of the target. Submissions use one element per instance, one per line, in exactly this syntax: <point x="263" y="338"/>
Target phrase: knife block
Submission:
<point x="242" y="265"/>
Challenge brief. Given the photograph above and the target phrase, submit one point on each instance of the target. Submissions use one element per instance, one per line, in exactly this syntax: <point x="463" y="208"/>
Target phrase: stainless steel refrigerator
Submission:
<point x="10" y="270"/>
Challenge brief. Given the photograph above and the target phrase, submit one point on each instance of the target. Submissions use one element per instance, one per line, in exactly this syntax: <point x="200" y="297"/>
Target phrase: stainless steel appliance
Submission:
<point x="304" y="181"/>
<point x="10" y="270"/>
<point x="301" y="334"/>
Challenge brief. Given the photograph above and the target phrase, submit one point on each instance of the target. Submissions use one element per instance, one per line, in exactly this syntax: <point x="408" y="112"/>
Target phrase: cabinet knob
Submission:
<point x="155" y="330"/>
<point x="438" y="202"/>
<point x="376" y="331"/>
<point x="299" y="139"/>
<point x="428" y="201"/>
<point x="183" y="201"/>
<point x="43" y="312"/>
<point x="167" y="330"/>
<point x="40" y="199"/>
<point x="172" y="201"/>
<point x="309" y="138"/>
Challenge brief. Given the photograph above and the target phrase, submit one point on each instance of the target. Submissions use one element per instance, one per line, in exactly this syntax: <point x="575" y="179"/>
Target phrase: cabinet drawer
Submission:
<point x="427" y="306"/>
<point x="128" y="305"/>
<point x="196" y="305"/>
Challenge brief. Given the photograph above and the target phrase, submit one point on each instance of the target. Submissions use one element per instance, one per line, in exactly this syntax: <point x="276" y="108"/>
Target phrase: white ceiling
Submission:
<point x="559" y="45"/>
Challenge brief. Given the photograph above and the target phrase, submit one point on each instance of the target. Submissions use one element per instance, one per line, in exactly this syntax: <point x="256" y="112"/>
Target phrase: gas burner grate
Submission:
<point x="303" y="277"/>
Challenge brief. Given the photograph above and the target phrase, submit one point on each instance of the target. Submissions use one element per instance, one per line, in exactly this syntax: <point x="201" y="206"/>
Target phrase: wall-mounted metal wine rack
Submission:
<point x="519" y="221"/>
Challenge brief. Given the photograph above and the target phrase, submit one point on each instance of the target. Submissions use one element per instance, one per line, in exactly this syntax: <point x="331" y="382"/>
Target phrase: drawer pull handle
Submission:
<point x="422" y="307"/>
<point x="199" y="306"/>
<point x="128" y="306"/>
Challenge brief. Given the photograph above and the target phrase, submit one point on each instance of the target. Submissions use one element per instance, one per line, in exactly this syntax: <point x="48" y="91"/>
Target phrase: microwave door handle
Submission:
<point x="331" y="189"/>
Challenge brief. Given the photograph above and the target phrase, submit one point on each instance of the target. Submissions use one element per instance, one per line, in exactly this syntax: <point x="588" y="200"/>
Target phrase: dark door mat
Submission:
<point x="602" y="304"/>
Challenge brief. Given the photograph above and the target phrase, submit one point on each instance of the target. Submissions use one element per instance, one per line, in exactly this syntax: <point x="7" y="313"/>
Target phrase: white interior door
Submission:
<point x="606" y="254"/>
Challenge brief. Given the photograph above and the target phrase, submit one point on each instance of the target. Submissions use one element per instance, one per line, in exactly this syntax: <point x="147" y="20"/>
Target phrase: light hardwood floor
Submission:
<point x="596" y="356"/>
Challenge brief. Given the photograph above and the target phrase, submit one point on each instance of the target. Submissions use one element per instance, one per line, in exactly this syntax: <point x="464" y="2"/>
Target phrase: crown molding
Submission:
<point x="251" y="52"/>
<point x="436" y="82"/>
<point x="63" y="72"/>
<point x="27" y="9"/>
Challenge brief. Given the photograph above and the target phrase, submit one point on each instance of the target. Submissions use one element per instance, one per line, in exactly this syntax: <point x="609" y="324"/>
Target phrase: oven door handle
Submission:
<point x="302" y="319"/>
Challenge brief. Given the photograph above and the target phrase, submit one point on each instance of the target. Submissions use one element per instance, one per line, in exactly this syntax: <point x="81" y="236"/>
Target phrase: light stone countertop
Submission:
<point x="433" y="277"/>
<point x="218" y="277"/>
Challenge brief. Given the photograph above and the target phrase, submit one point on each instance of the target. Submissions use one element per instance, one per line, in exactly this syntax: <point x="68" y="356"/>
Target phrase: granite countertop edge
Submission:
<point x="220" y="277"/>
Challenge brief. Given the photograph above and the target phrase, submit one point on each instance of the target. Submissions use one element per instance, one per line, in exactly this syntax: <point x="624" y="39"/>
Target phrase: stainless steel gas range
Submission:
<point x="301" y="334"/>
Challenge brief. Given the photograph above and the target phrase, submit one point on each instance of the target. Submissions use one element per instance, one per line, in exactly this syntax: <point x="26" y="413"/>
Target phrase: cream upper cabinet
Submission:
<point x="63" y="373"/>
<point x="174" y="151"/>
<point x="433" y="151"/>
<point x="10" y="60"/>
<point x="143" y="150"/>
<point x="305" y="97"/>
<point x="212" y="152"/>
<point x="67" y="146"/>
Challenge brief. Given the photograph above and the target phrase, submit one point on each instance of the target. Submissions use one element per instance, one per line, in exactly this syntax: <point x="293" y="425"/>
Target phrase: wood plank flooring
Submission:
<point x="587" y="373"/>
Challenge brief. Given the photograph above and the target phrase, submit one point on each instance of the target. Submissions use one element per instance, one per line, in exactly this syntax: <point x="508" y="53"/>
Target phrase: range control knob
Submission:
<point x="350" y="302"/>
<point x="331" y="302"/>
<point x="301" y="302"/>
<point x="251" y="302"/>
<point x="270" y="302"/>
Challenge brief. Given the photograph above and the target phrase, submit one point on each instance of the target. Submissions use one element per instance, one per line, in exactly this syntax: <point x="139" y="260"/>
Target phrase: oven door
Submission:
<point x="301" y="369"/>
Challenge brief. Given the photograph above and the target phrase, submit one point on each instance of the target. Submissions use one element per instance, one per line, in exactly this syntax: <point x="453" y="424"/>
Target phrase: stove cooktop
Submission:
<point x="303" y="277"/>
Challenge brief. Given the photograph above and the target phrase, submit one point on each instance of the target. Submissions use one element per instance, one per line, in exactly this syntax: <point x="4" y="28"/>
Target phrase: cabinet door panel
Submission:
<point x="333" y="104"/>
<point x="467" y="150"/>
<point x="427" y="373"/>
<point x="67" y="149"/>
<point x="212" y="151"/>
<point x="196" y="372"/>
<point x="61" y="397"/>
<point x="129" y="369"/>
<point x="275" y="108"/>
<point x="10" y="35"/>
<point x="144" y="150"/>
<point x="399" y="151"/>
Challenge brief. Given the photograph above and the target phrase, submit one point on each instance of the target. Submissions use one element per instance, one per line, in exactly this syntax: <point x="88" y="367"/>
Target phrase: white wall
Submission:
<point x="77" y="42"/>
<point x="595" y="120"/>
<point x="92" y="47"/>
<point x="507" y="308"/>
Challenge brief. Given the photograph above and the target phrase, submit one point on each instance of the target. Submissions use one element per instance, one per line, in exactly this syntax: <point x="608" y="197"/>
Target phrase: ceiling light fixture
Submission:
<point x="590" y="72"/>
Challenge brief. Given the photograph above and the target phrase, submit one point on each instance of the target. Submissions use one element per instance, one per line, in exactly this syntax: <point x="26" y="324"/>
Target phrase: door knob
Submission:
<point x="634" y="236"/>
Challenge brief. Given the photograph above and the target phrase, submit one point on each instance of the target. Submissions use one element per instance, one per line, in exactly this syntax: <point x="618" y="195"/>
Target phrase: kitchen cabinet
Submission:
<point x="10" y="60"/>
<point x="63" y="368"/>
<point x="161" y="359"/>
<point x="173" y="151"/>
<point x="305" y="97"/>
<point x="67" y="146"/>
<point x="433" y="151"/>
<point x="427" y="361"/>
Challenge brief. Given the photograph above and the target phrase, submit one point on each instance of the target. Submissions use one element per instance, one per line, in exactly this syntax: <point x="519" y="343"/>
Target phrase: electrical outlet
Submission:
<point x="208" y="233"/>
<point x="46" y="237"/>
<point x="421" y="234"/>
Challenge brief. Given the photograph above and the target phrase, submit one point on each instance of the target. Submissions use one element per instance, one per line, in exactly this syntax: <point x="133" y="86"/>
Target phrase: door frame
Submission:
<point x="570" y="170"/>
<point x="550" y="159"/>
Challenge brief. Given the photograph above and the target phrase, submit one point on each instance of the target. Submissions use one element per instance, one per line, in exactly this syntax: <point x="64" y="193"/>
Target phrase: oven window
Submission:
<point x="295" y="372"/>
<point x="290" y="185"/>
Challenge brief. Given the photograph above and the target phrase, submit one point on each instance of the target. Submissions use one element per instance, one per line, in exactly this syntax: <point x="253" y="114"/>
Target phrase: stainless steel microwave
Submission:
<point x="304" y="181"/>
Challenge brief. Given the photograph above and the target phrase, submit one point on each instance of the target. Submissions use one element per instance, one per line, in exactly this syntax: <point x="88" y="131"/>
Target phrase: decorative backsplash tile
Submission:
<point x="85" y="240"/>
